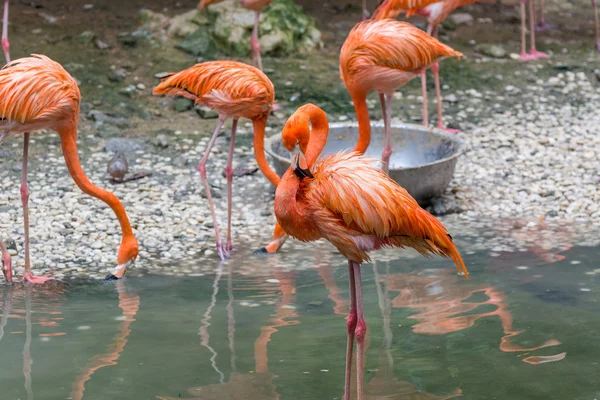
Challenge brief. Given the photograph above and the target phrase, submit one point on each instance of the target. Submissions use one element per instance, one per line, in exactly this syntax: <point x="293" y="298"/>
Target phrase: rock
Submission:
<point x="101" y="45"/>
<point x="162" y="75"/>
<point x="206" y="113"/>
<point x="199" y="43"/>
<point x="461" y="18"/>
<point x="492" y="50"/>
<point x="128" y="91"/>
<point x="86" y="37"/>
<point x="451" y="98"/>
<point x="117" y="75"/>
<point x="284" y="29"/>
<point x="185" y="24"/>
<point x="161" y="141"/>
<point x="122" y="145"/>
<point x="182" y="104"/>
<point x="102" y="118"/>
<point x="152" y="21"/>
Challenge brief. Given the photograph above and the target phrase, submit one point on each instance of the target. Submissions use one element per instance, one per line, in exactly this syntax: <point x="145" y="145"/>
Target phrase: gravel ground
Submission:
<point x="530" y="173"/>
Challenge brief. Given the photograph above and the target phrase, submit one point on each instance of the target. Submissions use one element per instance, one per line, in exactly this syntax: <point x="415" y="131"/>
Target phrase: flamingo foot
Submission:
<point x="528" y="57"/>
<point x="449" y="130"/>
<point x="36" y="279"/>
<point x="223" y="252"/>
<point x="544" y="26"/>
<point x="539" y="54"/>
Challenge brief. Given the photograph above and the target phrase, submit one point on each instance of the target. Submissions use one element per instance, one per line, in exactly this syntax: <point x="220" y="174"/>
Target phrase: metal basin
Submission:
<point x="423" y="159"/>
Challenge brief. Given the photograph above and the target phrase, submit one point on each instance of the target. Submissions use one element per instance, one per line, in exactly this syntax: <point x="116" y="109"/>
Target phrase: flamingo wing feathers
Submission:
<point x="390" y="44"/>
<point x="392" y="8"/>
<point x="229" y="87"/>
<point x="365" y="200"/>
<point x="36" y="88"/>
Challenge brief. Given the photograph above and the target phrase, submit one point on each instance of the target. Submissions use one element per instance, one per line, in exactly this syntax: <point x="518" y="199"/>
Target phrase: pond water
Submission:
<point x="525" y="326"/>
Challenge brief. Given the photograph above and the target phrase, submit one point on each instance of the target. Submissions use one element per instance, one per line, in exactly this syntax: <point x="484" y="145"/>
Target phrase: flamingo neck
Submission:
<point x="259" y="151"/>
<point x="364" y="123"/>
<point x="68" y="138"/>
<point x="318" y="134"/>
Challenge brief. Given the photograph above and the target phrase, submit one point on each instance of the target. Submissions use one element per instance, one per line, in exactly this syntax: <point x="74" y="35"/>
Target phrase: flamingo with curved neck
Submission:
<point x="40" y="94"/>
<point x="354" y="205"/>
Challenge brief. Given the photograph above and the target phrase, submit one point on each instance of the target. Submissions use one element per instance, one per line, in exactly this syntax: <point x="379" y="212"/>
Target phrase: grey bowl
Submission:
<point x="423" y="159"/>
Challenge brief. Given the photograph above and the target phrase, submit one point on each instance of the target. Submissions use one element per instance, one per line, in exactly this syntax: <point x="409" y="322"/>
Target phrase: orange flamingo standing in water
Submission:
<point x="39" y="93"/>
<point x="384" y="55"/>
<point x="354" y="205"/>
<point x="256" y="6"/>
<point x="233" y="90"/>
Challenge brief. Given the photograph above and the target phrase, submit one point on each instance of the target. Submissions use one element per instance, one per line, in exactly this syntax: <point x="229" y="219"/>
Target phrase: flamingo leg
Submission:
<point x="254" y="43"/>
<point x="360" y="332"/>
<point x="279" y="238"/>
<point x="524" y="55"/>
<point x="351" y="326"/>
<point x="597" y="23"/>
<point x="438" y="91"/>
<point x="6" y="262"/>
<point x="365" y="12"/>
<point x="534" y="53"/>
<point x="27" y="360"/>
<point x="5" y="44"/>
<point x="27" y="276"/>
<point x="386" y="106"/>
<point x="202" y="171"/>
<point x="229" y="175"/>
<point x="424" y="90"/>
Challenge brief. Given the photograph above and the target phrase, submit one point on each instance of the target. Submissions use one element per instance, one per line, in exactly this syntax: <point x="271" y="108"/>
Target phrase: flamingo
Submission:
<point x="233" y="90"/>
<point x="533" y="53"/>
<point x="40" y="94"/>
<point x="253" y="5"/>
<point x="436" y="11"/>
<point x="384" y="55"/>
<point x="354" y="205"/>
<point x="6" y="262"/>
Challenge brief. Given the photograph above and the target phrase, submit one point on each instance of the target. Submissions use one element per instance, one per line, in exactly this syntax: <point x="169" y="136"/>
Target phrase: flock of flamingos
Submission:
<point x="343" y="198"/>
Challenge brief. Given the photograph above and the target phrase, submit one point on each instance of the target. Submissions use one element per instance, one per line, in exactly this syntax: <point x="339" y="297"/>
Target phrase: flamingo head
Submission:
<point x="128" y="253"/>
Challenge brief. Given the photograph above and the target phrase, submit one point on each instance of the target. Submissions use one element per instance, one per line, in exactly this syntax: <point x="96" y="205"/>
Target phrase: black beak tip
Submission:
<point x="111" y="277"/>
<point x="303" y="173"/>
<point x="261" y="251"/>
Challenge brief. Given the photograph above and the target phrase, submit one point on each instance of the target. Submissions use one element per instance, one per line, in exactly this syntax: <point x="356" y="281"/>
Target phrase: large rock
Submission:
<point x="225" y="29"/>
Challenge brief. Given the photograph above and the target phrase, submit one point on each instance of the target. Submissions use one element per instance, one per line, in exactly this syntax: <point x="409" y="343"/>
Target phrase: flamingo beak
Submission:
<point x="299" y="165"/>
<point x="119" y="271"/>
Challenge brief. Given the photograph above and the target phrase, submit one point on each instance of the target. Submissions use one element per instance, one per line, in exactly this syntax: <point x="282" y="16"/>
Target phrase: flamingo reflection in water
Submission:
<point x="441" y="308"/>
<point x="384" y="385"/>
<point x="47" y="316"/>
<point x="129" y="302"/>
<point x="257" y="385"/>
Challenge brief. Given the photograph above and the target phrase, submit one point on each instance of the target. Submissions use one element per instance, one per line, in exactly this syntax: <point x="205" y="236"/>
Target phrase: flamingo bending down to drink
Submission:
<point x="256" y="6"/>
<point x="234" y="90"/>
<point x="354" y="205"/>
<point x="39" y="94"/>
<point x="384" y="55"/>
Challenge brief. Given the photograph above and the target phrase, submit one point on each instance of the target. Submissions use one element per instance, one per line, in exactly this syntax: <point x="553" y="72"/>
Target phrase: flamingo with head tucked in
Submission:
<point x="38" y="94"/>
<point x="354" y="205"/>
<point x="384" y="55"/>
